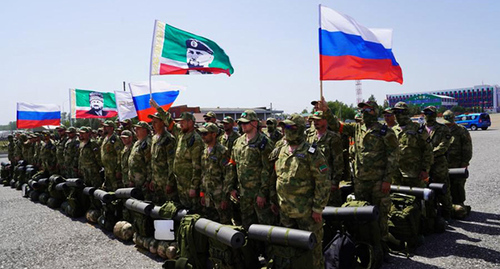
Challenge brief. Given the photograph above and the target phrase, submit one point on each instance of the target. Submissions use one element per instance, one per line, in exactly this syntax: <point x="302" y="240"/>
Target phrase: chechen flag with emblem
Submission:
<point x="177" y="52"/>
<point x="92" y="104"/>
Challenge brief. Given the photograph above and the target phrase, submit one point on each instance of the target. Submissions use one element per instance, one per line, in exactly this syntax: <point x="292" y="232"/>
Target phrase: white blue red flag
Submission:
<point x="36" y="115"/>
<point x="350" y="51"/>
<point x="163" y="93"/>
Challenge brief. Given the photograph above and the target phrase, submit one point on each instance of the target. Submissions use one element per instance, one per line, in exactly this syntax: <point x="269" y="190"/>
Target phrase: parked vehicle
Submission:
<point x="474" y="121"/>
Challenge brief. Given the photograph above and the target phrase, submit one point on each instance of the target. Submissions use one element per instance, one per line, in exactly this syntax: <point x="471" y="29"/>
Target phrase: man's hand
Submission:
<point x="424" y="176"/>
<point x="202" y="201"/>
<point x="323" y="105"/>
<point x="261" y="202"/>
<point x="234" y="194"/>
<point x="192" y="193"/>
<point x="386" y="187"/>
<point x="275" y="209"/>
<point x="151" y="186"/>
<point x="153" y="103"/>
<point x="317" y="217"/>
<point x="169" y="189"/>
<point x="223" y="205"/>
<point x="118" y="175"/>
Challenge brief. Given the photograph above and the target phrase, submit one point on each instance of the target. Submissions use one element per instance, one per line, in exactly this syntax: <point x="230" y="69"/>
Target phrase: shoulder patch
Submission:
<point x="263" y="143"/>
<point x="323" y="168"/>
<point x="383" y="130"/>
<point x="300" y="155"/>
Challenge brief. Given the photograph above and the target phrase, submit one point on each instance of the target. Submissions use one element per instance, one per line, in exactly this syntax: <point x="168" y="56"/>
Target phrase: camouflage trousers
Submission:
<point x="457" y="191"/>
<point x="111" y="182"/>
<point x="217" y="214"/>
<point x="308" y="224"/>
<point x="439" y="174"/>
<point x="91" y="177"/>
<point x="410" y="182"/>
<point x="192" y="203"/>
<point x="252" y="214"/>
<point x="335" y="198"/>
<point x="71" y="173"/>
<point x="371" y="191"/>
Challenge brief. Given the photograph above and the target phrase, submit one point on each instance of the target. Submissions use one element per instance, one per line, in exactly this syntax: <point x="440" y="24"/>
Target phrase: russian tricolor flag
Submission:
<point x="163" y="93"/>
<point x="350" y="51"/>
<point x="36" y="115"/>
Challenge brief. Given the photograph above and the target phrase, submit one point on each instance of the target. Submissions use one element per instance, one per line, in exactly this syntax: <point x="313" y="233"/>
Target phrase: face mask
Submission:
<point x="369" y="119"/>
<point x="270" y="128"/>
<point x="403" y="119"/>
<point x="430" y="119"/>
<point x="294" y="137"/>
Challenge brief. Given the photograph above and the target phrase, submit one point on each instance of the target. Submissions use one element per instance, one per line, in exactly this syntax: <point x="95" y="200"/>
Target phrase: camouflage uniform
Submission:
<point x="71" y="152"/>
<point x="250" y="162"/>
<point x="139" y="165"/>
<point x="273" y="133"/>
<point x="375" y="161"/>
<point x="38" y="148"/>
<point x="111" y="147"/>
<point x="459" y="155"/>
<point x="18" y="149"/>
<point x="330" y="144"/>
<point x="124" y="156"/>
<point x="89" y="161"/>
<point x="48" y="156"/>
<point x="441" y="139"/>
<point x="11" y="149"/>
<point x="228" y="141"/>
<point x="303" y="186"/>
<point x="60" y="144"/>
<point x="216" y="179"/>
<point x="29" y="151"/>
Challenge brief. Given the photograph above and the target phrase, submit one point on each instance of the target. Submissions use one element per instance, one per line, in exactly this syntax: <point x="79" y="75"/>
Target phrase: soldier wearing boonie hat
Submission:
<point x="71" y="153"/>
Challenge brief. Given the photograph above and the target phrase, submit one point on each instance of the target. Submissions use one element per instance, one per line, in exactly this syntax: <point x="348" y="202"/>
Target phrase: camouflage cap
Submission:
<point x="401" y="106"/>
<point x="248" y="116"/>
<point x="143" y="124"/>
<point x="186" y="116"/>
<point x="295" y="119"/>
<point x="209" y="128"/>
<point x="358" y="116"/>
<point x="126" y="121"/>
<point x="272" y="121"/>
<point x="371" y="104"/>
<point x="10" y="136"/>
<point x="318" y="115"/>
<point x="71" y="130"/>
<point x="449" y="116"/>
<point x="126" y="133"/>
<point x="314" y="102"/>
<point x="210" y="114"/>
<point x="430" y="108"/>
<point x="109" y="123"/>
<point x="228" y="119"/>
<point x="100" y="129"/>
<point x="85" y="129"/>
<point x="61" y="127"/>
<point x="155" y="115"/>
<point x="388" y="110"/>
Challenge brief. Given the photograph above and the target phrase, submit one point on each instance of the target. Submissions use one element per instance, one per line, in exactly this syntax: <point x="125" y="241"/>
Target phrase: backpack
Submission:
<point x="225" y="257"/>
<point x="340" y="252"/>
<point x="404" y="220"/>
<point x="192" y="245"/>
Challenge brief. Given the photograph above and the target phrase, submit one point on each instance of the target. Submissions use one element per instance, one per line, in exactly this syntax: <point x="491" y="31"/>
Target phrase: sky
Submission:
<point x="48" y="47"/>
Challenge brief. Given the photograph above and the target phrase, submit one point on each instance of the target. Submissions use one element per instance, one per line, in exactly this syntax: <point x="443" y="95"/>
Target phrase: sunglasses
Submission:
<point x="368" y="109"/>
<point x="204" y="134"/>
<point x="244" y="123"/>
<point x="428" y="112"/>
<point x="290" y="127"/>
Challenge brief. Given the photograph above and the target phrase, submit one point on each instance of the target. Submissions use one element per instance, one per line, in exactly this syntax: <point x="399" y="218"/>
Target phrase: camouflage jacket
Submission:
<point x="110" y="152"/>
<point x="139" y="162"/>
<point x="38" y="148"/>
<point x="187" y="163"/>
<point x="89" y="156"/>
<point x="162" y="159"/>
<point x="460" y="150"/>
<point x="48" y="155"/>
<point x="376" y="153"/>
<point x="303" y="183"/>
<point x="11" y="150"/>
<point x="251" y="168"/>
<point x="228" y="141"/>
<point x="124" y="156"/>
<point x="330" y="145"/>
<point x="71" y="152"/>
<point x="415" y="149"/>
<point x="60" y="145"/>
<point x="440" y="139"/>
<point x="29" y="152"/>
<point x="216" y="177"/>
<point x="18" y="149"/>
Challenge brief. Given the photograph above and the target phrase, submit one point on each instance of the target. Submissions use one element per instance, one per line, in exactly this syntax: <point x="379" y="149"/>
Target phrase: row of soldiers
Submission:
<point x="271" y="177"/>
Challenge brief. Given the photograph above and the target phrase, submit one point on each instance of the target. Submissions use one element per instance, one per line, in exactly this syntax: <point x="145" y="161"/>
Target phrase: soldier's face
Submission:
<point x="141" y="132"/>
<point x="248" y="127"/>
<point x="186" y="125"/>
<point x="198" y="58"/>
<point x="96" y="104"/>
<point x="84" y="136"/>
<point x="158" y="125"/>
<point x="126" y="140"/>
<point x="71" y="135"/>
<point x="320" y="124"/>
<point x="108" y="129"/>
<point x="227" y="126"/>
<point x="208" y="137"/>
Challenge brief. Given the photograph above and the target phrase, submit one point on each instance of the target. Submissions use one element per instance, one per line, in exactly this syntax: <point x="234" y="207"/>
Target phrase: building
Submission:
<point x="426" y="99"/>
<point x="477" y="98"/>
<point x="262" y="112"/>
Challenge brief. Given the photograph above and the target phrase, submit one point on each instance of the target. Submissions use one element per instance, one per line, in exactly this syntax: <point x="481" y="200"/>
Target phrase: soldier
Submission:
<point x="71" y="152"/>
<point x="251" y="165"/>
<point x="89" y="159"/>
<point x="127" y="139"/>
<point x="272" y="131"/>
<point x="441" y="139"/>
<point x="30" y="148"/>
<point x="60" y="144"/>
<point x="48" y="154"/>
<point x="127" y="125"/>
<point x="25" y="147"/>
<point x="162" y="160"/>
<point x="111" y="147"/>
<point x="139" y="161"/>
<point x="229" y="136"/>
<point x="216" y="177"/>
<point x="389" y="118"/>
<point x="376" y="150"/>
<point x="303" y="184"/>
<point x="330" y="144"/>
<point x="11" y="148"/>
<point x="18" y="149"/>
<point x="459" y="155"/>
<point x="38" y="147"/>
<point x="210" y="117"/>
<point x="415" y="149"/>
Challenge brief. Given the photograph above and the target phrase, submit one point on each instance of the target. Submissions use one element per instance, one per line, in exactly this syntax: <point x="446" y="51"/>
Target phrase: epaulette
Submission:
<point x="113" y="139"/>
<point x="144" y="144"/>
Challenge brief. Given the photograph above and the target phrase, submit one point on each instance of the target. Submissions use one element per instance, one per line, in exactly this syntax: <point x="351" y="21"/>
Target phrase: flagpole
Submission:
<point x="70" y="118"/>
<point x="320" y="65"/>
<point x="151" y="61"/>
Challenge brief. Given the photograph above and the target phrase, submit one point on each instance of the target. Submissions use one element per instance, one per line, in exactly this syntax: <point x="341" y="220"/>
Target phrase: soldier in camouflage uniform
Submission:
<point x="111" y="147"/>
<point x="11" y="149"/>
<point x="227" y="139"/>
<point x="441" y="139"/>
<point x="139" y="161"/>
<point x="216" y="178"/>
<point x="89" y="159"/>
<point x="38" y="149"/>
<point x="376" y="159"/>
<point x="459" y="155"/>
<point x="25" y="147"/>
<point x="18" y="149"/>
<point x="162" y="161"/>
<point x="71" y="150"/>
<point x="60" y="144"/>
<point x="303" y="184"/>
<point x="210" y="116"/>
<point x="389" y="117"/>
<point x="330" y="144"/>
<point x="127" y="125"/>
<point x="30" y="148"/>
<point x="48" y="154"/>
<point x="272" y="131"/>
<point x="416" y="155"/>
<point x="127" y="139"/>
<point x="252" y="171"/>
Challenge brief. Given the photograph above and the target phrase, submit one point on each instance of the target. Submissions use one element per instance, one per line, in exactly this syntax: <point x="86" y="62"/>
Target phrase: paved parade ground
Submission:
<point x="35" y="236"/>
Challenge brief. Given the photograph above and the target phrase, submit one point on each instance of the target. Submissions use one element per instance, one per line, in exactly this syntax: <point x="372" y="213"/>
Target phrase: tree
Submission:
<point x="458" y="109"/>
<point x="341" y="110"/>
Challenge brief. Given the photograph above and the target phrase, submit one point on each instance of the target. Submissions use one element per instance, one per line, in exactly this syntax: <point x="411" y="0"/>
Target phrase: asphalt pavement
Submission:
<point x="35" y="236"/>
